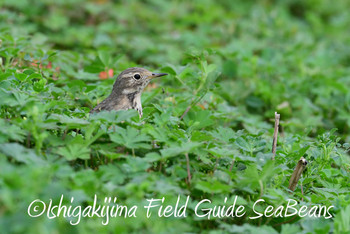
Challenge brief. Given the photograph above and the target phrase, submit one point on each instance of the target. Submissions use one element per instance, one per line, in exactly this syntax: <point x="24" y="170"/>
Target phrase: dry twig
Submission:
<point x="275" y="134"/>
<point x="188" y="168"/>
<point x="233" y="162"/>
<point x="297" y="173"/>
<point x="187" y="110"/>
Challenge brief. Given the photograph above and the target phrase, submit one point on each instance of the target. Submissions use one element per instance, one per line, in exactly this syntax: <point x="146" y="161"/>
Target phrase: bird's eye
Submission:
<point x="137" y="76"/>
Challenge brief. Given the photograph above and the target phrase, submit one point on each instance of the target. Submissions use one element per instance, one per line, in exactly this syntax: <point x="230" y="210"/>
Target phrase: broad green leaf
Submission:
<point x="105" y="57"/>
<point x="173" y="151"/>
<point x="74" y="151"/>
<point x="21" y="154"/>
<point x="243" y="144"/>
<point x="130" y="138"/>
<point x="212" y="187"/>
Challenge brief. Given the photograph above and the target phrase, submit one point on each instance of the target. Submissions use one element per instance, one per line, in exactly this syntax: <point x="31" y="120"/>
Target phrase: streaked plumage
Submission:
<point x="127" y="89"/>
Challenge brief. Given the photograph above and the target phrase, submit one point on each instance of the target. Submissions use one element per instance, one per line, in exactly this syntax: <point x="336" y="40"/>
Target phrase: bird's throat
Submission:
<point x="135" y="101"/>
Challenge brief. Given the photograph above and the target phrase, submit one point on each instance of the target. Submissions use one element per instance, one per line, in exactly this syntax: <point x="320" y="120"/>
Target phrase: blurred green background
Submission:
<point x="288" y="56"/>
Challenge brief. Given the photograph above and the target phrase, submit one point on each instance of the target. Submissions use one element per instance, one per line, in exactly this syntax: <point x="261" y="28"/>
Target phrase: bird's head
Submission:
<point x="134" y="80"/>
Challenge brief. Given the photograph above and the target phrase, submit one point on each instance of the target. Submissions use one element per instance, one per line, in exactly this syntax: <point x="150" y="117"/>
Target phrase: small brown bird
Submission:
<point x="127" y="89"/>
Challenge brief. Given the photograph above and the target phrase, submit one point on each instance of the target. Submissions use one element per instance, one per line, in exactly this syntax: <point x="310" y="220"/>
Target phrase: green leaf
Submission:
<point x="199" y="119"/>
<point x="342" y="221"/>
<point x="223" y="134"/>
<point x="74" y="150"/>
<point x="290" y="229"/>
<point x="130" y="138"/>
<point x="72" y="122"/>
<point x="39" y="86"/>
<point x="243" y="144"/>
<point x="10" y="132"/>
<point x="212" y="187"/>
<point x="21" y="76"/>
<point x="173" y="151"/>
<point x="105" y="57"/>
<point x="21" y="154"/>
<point x="222" y="151"/>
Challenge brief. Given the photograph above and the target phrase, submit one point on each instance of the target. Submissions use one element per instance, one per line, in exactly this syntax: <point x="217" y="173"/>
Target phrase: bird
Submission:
<point x="127" y="90"/>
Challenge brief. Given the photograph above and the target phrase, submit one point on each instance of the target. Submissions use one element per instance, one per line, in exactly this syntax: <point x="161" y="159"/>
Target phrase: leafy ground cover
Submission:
<point x="231" y="65"/>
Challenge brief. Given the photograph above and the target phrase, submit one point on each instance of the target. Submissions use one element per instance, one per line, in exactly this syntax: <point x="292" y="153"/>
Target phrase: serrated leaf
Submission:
<point x="74" y="151"/>
<point x="130" y="138"/>
<point x="243" y="144"/>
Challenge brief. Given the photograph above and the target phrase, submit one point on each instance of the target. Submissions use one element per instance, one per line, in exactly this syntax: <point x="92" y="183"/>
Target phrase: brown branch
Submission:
<point x="302" y="190"/>
<point x="192" y="104"/>
<point x="297" y="173"/>
<point x="275" y="134"/>
<point x="233" y="162"/>
<point x="64" y="134"/>
<point x="188" y="168"/>
<point x="160" y="166"/>
<point x="216" y="164"/>
<point x="187" y="110"/>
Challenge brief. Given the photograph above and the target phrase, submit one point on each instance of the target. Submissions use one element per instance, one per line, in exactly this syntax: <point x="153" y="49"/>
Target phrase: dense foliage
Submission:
<point x="231" y="65"/>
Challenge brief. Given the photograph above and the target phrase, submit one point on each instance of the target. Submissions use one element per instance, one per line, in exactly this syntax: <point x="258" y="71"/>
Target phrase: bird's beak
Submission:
<point x="154" y="75"/>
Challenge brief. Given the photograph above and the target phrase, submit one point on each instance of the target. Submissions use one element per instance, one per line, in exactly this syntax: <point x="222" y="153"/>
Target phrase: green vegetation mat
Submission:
<point x="207" y="127"/>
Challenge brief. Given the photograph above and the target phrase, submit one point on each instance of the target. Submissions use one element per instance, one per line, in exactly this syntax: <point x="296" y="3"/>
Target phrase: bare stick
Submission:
<point x="302" y="190"/>
<point x="192" y="104"/>
<point x="233" y="162"/>
<point x="275" y="134"/>
<point x="216" y="164"/>
<point x="64" y="134"/>
<point x="187" y="110"/>
<point x="160" y="166"/>
<point x="297" y="173"/>
<point x="188" y="168"/>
